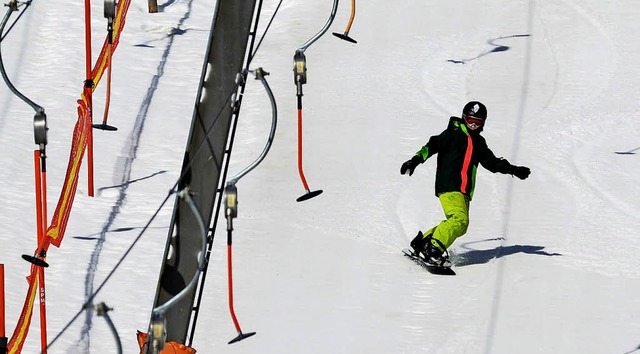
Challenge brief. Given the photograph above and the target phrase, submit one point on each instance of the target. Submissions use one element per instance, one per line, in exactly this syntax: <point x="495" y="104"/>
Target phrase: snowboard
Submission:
<point x="433" y="269"/>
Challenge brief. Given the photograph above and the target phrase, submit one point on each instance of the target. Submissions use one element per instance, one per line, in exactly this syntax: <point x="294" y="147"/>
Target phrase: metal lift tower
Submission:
<point x="203" y="168"/>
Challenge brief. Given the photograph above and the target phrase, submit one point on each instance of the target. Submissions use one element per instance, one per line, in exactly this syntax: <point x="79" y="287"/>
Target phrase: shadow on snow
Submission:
<point x="471" y="257"/>
<point x="497" y="48"/>
<point x="630" y="152"/>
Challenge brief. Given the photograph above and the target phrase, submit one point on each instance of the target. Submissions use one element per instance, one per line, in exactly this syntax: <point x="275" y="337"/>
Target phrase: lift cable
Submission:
<point x="13" y="6"/>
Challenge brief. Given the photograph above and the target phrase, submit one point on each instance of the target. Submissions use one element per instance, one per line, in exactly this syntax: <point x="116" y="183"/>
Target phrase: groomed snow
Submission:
<point x="549" y="264"/>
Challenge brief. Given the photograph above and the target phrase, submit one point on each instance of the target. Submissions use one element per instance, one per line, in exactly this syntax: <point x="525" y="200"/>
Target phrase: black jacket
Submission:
<point x="460" y="150"/>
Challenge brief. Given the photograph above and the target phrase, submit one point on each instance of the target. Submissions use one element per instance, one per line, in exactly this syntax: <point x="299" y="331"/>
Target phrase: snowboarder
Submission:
<point x="460" y="149"/>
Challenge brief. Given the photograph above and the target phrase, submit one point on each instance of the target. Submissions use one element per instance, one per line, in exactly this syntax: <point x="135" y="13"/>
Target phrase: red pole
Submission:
<point x="304" y="180"/>
<point x="2" y="326"/>
<point x="43" y="311"/>
<point x="90" y="143"/>
<point x="88" y="93"/>
<point x="108" y="100"/>
<point x="41" y="217"/>
<point x="241" y="335"/>
<point x="43" y="303"/>
<point x="230" y="267"/>
<point x="87" y="36"/>
<point x="309" y="193"/>
<point x="45" y="223"/>
<point x="3" y="338"/>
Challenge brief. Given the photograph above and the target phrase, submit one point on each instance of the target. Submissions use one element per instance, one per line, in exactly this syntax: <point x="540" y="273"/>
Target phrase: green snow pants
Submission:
<point x="456" y="209"/>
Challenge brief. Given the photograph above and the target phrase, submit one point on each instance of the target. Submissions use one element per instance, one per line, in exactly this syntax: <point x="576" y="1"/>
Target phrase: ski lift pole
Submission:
<point x="300" y="78"/>
<point x="231" y="201"/>
<point x="40" y="162"/>
<point x="300" y="73"/>
<point x="40" y="118"/>
<point x="231" y="211"/>
<point x="40" y="135"/>
<point x="345" y="36"/>
<point x="109" y="14"/>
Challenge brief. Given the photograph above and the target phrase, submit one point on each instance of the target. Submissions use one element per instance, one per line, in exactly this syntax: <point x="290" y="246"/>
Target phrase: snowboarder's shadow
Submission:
<point x="484" y="256"/>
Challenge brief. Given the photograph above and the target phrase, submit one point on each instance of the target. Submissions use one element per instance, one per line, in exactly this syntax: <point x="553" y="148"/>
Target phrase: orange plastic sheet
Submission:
<point x="169" y="347"/>
<point x="60" y="218"/>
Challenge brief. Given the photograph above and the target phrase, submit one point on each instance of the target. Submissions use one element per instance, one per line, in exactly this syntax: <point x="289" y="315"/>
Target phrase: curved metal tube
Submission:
<point x="260" y="74"/>
<point x="115" y="333"/>
<point x="36" y="107"/>
<point x="103" y="310"/>
<point x="164" y="307"/>
<point x="324" y="29"/>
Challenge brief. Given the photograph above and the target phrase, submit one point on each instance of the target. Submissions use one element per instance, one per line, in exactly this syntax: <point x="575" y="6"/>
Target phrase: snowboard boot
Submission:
<point x="418" y="245"/>
<point x="435" y="254"/>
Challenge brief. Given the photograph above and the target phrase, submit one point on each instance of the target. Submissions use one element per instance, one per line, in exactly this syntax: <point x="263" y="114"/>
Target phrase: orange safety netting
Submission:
<point x="56" y="230"/>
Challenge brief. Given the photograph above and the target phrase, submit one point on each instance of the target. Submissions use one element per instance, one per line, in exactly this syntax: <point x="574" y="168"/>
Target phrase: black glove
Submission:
<point x="521" y="172"/>
<point x="410" y="165"/>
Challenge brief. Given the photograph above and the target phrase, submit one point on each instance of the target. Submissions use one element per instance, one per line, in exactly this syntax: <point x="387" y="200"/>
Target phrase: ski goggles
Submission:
<point x="478" y="122"/>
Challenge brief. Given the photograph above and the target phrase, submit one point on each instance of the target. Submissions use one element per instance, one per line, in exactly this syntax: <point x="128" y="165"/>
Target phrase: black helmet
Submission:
<point x="474" y="109"/>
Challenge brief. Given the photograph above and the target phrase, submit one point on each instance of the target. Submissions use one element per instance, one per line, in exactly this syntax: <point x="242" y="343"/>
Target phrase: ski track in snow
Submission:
<point x="123" y="171"/>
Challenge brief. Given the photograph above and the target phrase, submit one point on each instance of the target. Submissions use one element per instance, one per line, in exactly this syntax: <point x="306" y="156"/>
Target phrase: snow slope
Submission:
<point x="548" y="265"/>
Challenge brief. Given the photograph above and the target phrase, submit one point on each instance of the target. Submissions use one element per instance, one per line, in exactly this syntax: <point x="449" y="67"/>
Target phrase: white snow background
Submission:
<point x="549" y="264"/>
